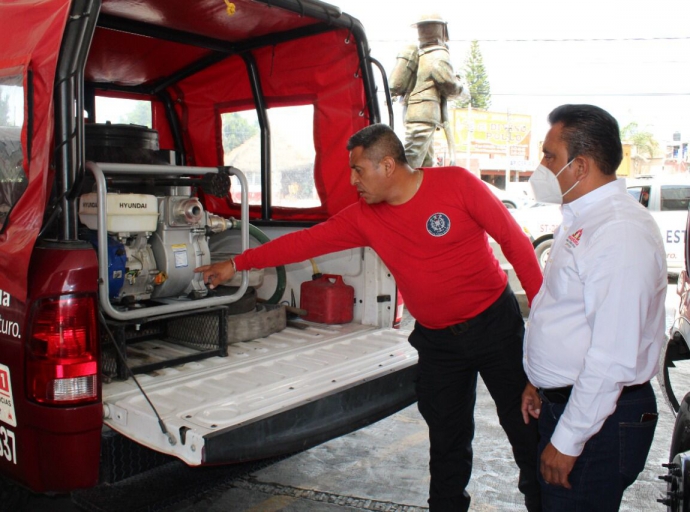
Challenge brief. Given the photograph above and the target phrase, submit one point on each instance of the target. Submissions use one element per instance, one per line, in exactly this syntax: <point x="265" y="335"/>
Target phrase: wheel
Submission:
<point x="509" y="204"/>
<point x="674" y="371"/>
<point x="12" y="496"/>
<point x="542" y="251"/>
<point x="678" y="476"/>
<point x="678" y="482"/>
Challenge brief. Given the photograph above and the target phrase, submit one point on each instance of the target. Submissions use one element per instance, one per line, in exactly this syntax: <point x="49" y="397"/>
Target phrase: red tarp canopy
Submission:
<point x="322" y="69"/>
<point x="30" y="35"/>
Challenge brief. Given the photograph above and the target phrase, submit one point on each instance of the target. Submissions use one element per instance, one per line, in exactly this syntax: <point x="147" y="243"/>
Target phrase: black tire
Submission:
<point x="509" y="204"/>
<point x="542" y="251"/>
<point x="12" y="496"/>
<point x="675" y="351"/>
<point x="678" y="477"/>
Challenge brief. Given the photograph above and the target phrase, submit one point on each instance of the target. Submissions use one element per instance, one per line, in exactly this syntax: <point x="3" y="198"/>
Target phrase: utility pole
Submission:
<point x="508" y="129"/>
<point x="470" y="130"/>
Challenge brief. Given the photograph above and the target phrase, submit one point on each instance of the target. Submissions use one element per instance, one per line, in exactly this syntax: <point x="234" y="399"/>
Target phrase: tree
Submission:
<point x="644" y="142"/>
<point x="139" y="115"/>
<point x="477" y="79"/>
<point x="236" y="130"/>
<point x="4" y="110"/>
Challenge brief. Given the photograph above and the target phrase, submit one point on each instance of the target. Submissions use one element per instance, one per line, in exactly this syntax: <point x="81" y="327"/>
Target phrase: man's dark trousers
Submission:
<point x="490" y="345"/>
<point x="611" y="459"/>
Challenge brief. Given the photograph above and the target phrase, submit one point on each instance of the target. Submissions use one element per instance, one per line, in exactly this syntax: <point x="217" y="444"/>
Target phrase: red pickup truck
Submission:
<point x="106" y="333"/>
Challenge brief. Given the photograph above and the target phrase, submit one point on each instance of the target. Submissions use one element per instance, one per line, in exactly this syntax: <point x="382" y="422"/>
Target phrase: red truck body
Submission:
<point x="192" y="62"/>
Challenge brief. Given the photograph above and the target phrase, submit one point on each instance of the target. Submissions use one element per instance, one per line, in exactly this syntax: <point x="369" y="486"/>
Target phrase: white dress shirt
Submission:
<point x="598" y="320"/>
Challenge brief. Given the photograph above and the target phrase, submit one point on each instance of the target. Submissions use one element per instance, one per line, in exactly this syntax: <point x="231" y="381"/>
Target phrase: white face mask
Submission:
<point x="545" y="185"/>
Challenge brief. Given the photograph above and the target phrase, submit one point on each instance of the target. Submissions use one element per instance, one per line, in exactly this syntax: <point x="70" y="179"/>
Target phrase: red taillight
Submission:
<point x="62" y="358"/>
<point x="399" y="308"/>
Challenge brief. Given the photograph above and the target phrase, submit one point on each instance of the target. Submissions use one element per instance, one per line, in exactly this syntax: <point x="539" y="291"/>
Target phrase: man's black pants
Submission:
<point x="490" y="345"/>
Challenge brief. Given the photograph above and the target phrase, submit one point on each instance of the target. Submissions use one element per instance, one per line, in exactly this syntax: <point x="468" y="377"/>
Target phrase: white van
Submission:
<point x="666" y="197"/>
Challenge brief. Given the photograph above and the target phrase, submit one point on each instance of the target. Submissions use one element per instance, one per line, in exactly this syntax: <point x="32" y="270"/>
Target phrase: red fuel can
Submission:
<point x="327" y="299"/>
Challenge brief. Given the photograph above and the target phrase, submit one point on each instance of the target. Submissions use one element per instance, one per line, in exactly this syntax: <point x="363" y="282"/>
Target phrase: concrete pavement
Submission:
<point x="384" y="467"/>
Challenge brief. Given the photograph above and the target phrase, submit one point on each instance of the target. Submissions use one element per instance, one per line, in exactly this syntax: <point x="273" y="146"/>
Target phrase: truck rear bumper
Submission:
<point x="270" y="396"/>
<point x="314" y="423"/>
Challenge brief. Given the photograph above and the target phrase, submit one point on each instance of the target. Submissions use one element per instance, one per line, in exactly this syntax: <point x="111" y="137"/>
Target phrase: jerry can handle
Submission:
<point x="338" y="278"/>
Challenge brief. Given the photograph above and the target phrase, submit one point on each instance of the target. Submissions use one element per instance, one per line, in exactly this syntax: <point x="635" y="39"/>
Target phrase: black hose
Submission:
<point x="260" y="236"/>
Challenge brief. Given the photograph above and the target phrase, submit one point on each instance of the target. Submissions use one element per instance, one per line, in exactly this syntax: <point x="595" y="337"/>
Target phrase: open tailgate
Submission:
<point x="286" y="392"/>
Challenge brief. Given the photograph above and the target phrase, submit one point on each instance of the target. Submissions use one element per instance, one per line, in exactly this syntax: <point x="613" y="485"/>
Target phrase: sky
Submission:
<point x="631" y="58"/>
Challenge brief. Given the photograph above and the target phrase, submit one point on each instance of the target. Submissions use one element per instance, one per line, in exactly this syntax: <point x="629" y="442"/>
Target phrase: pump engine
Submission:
<point x="154" y="244"/>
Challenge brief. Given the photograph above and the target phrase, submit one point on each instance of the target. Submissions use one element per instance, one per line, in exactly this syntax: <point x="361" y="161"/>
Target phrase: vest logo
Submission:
<point x="574" y="239"/>
<point x="438" y="224"/>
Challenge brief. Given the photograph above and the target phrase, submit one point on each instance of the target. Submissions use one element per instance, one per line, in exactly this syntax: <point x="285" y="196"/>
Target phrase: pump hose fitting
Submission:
<point x="261" y="237"/>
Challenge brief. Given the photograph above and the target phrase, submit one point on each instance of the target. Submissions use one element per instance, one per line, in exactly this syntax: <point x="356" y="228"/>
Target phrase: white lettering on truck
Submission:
<point x="10" y="328"/>
<point x="674" y="236"/>
<point x="7" y="445"/>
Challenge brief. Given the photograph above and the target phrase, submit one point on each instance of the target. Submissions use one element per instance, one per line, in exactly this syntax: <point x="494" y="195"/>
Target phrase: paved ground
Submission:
<point x="384" y="467"/>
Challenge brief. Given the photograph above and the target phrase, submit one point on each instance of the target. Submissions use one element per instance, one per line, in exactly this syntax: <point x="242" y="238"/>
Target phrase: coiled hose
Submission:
<point x="261" y="237"/>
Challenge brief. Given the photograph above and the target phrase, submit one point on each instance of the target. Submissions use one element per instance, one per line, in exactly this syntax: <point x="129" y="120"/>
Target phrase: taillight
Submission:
<point x="399" y="308"/>
<point x="62" y="351"/>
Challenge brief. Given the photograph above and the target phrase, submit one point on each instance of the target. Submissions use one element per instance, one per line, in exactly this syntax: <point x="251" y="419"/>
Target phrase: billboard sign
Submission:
<point x="491" y="132"/>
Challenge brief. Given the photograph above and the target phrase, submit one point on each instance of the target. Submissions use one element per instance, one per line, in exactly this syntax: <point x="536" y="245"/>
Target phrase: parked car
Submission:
<point x="521" y="189"/>
<point x="666" y="197"/>
<point x="674" y="380"/>
<point x="509" y="199"/>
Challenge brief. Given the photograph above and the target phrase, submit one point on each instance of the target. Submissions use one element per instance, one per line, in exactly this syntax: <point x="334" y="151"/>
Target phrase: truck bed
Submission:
<point x="291" y="390"/>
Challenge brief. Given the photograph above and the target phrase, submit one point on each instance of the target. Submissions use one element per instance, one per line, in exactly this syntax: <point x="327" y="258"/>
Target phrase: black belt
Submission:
<point x="561" y="395"/>
<point x="465" y="326"/>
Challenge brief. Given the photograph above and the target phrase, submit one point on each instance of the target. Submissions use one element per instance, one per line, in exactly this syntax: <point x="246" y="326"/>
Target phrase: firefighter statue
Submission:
<point x="424" y="79"/>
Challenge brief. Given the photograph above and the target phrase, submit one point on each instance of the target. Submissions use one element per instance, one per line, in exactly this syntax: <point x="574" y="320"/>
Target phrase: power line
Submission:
<point x="634" y="94"/>
<point x="576" y="40"/>
<point x="549" y="40"/>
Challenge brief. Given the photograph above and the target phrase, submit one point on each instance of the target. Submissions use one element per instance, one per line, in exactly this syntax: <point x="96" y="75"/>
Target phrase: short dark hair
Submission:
<point x="378" y="141"/>
<point x="590" y="131"/>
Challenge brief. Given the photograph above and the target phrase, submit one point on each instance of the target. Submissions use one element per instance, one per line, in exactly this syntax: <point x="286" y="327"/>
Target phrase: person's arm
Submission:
<point x="497" y="221"/>
<point x="623" y="271"/>
<point x="447" y="82"/>
<point x="338" y="233"/>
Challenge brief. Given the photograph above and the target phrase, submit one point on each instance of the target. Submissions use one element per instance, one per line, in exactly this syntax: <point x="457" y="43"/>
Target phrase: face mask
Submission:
<point x="545" y="185"/>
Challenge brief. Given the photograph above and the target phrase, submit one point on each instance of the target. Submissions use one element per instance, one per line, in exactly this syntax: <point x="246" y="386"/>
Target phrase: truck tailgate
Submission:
<point x="274" y="395"/>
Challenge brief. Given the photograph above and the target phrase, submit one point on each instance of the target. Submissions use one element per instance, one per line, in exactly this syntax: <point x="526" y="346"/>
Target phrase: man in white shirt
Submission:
<point x="596" y="327"/>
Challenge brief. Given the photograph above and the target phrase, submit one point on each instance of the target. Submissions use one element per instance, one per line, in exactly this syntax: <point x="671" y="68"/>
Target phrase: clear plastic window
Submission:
<point x="123" y="111"/>
<point x="292" y="155"/>
<point x="13" y="178"/>
<point x="641" y="195"/>
<point x="242" y="150"/>
<point x="675" y="197"/>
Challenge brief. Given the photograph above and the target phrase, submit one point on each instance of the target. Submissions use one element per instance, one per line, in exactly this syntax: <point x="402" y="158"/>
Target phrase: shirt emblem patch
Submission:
<point x="438" y="224"/>
<point x="574" y="239"/>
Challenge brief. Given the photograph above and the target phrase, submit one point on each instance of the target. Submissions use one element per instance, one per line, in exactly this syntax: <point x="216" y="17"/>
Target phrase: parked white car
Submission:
<point x="509" y="199"/>
<point x="667" y="198"/>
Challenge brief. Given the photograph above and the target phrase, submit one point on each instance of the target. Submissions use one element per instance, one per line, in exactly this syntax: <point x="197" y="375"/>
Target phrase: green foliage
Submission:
<point x="140" y="115"/>
<point x="644" y="142"/>
<point x="477" y="79"/>
<point x="4" y="110"/>
<point x="236" y="130"/>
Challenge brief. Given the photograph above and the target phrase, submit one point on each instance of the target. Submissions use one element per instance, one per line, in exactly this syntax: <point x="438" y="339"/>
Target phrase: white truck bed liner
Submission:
<point x="280" y="372"/>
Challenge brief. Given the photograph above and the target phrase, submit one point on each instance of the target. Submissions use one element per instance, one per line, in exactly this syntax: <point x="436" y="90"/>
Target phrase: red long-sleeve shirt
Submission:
<point x="435" y="245"/>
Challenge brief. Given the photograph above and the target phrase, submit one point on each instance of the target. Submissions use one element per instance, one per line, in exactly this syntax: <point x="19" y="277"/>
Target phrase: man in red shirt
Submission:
<point x="431" y="227"/>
